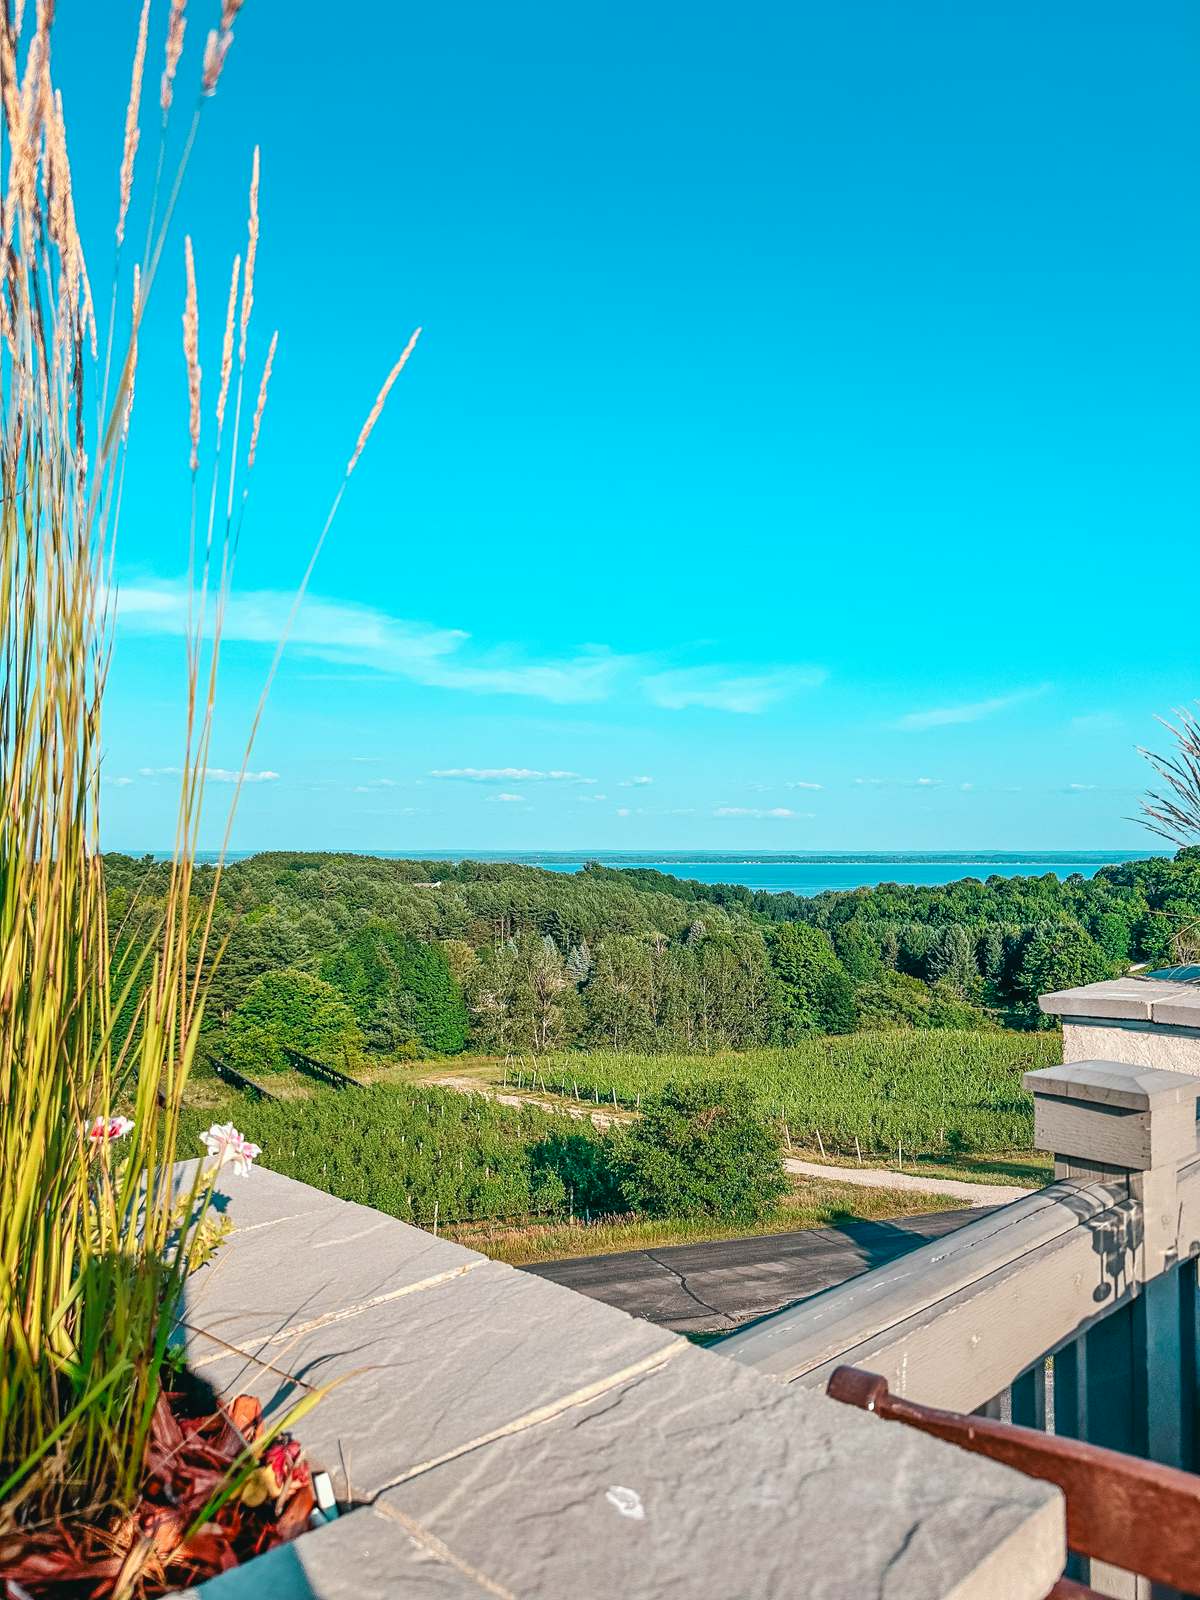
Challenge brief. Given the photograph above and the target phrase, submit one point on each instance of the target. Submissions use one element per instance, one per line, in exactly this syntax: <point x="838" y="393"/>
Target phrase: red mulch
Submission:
<point x="142" y="1554"/>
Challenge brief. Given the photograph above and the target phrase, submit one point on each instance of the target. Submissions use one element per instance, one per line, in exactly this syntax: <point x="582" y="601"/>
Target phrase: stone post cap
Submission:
<point x="1111" y="1114"/>
<point x="1164" y="1000"/>
<point x="1115" y="1084"/>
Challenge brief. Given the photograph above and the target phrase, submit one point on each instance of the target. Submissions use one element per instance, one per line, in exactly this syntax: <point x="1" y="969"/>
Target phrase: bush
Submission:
<point x="703" y="1149"/>
<point x="293" y="1010"/>
<point x="895" y="1000"/>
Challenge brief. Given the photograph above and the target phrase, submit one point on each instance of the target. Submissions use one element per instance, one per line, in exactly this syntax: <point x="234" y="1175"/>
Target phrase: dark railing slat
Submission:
<point x="1029" y="1398"/>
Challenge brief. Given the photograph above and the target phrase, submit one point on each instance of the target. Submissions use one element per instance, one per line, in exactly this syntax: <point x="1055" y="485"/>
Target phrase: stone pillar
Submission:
<point x="1146" y="1022"/>
<point x="1128" y="1382"/>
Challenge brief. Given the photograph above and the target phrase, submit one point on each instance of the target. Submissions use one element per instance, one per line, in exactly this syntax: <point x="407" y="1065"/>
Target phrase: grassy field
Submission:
<point x="811" y="1204"/>
<point x="936" y="1093"/>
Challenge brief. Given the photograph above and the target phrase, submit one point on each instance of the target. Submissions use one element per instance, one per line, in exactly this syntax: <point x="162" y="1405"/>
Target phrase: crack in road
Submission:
<point x="687" y="1289"/>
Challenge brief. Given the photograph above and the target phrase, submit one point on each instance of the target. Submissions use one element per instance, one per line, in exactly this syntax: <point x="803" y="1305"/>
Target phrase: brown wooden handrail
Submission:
<point x="1131" y="1513"/>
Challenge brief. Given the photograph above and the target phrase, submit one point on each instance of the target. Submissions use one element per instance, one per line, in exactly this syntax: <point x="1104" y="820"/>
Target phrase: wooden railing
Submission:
<point x="1073" y="1310"/>
<point x="320" y="1070"/>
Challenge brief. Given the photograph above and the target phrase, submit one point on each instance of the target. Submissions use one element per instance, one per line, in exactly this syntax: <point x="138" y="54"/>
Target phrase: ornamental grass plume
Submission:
<point x="97" y="1235"/>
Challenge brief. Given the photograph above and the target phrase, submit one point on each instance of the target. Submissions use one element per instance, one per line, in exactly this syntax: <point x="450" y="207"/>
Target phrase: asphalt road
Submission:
<point x="711" y="1288"/>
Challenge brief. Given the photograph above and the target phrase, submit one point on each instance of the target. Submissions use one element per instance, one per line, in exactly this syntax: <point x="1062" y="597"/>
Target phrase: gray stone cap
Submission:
<point x="1114" y="1083"/>
<point x="1129" y="999"/>
<point x="515" y="1440"/>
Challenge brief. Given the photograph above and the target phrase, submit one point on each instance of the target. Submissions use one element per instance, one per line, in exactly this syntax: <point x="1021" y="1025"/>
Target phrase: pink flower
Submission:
<point x="105" y="1128"/>
<point x="225" y="1143"/>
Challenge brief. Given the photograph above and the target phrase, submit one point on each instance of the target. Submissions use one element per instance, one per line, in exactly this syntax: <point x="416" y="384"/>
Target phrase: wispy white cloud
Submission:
<point x="716" y="689"/>
<point x="623" y="811"/>
<point x="635" y="783"/>
<point x="364" y="636"/>
<point x="799" y="783"/>
<point x="1080" y="788"/>
<point x="758" y="811"/>
<point x="972" y="711"/>
<point x="508" y="799"/>
<point x="591" y="799"/>
<point x="212" y="774"/>
<point x="898" y="783"/>
<point x="119" y="783"/>
<point x="1095" y="722"/>
<point x="509" y="775"/>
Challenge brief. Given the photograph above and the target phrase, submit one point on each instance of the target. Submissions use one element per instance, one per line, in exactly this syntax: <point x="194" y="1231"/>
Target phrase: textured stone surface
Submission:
<point x="520" y="1441"/>
<point x="273" y="1276"/>
<point x="1180" y="1009"/>
<point x="364" y="1555"/>
<point x="1131" y="998"/>
<point x="1142" y="1045"/>
<point x="433" y="1370"/>
<point x="702" y="1479"/>
<point x="1113" y="1083"/>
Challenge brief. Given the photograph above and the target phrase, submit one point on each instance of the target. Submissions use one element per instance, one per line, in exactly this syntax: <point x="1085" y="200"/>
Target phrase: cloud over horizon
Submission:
<point x="972" y="711"/>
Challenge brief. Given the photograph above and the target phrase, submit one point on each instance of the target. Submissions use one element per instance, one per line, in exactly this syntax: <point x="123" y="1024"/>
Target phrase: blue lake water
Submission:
<point x="810" y="873"/>
<point x="815" y="874"/>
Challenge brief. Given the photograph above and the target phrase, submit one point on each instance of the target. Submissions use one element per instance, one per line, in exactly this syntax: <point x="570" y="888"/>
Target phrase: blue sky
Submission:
<point x="804" y="420"/>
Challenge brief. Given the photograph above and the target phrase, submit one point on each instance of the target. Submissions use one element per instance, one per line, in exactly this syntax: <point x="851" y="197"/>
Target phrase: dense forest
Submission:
<point x="342" y="955"/>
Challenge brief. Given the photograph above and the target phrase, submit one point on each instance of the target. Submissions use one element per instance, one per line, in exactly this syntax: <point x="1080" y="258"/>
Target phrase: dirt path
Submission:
<point x="518" y="1097"/>
<point x="975" y="1194"/>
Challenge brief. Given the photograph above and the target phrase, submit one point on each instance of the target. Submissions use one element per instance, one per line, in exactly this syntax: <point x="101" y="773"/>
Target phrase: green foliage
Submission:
<point x="896" y="1000"/>
<point x="406" y="1150"/>
<point x="931" y="1090"/>
<point x="291" y="1009"/>
<point x="399" y="988"/>
<point x="858" y="949"/>
<point x="1113" y="934"/>
<point x="814" y="990"/>
<point x="1061" y="956"/>
<point x="702" y="1148"/>
<point x="635" y="959"/>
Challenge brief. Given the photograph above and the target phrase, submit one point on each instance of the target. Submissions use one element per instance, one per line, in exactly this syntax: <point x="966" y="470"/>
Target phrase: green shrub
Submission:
<point x="702" y="1148"/>
<point x="292" y="1010"/>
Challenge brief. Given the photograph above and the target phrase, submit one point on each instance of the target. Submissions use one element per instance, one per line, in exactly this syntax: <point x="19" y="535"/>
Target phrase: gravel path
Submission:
<point x="976" y="1194"/>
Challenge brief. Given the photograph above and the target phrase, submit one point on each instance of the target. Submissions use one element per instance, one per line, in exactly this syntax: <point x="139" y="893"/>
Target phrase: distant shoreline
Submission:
<point x="805" y="874"/>
<point x="706" y="857"/>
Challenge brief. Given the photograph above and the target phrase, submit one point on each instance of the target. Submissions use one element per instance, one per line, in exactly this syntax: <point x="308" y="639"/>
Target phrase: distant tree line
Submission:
<point x="340" y="956"/>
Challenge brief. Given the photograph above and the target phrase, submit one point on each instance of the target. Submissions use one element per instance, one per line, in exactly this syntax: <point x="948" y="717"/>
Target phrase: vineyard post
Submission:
<point x="858" y="1150"/>
<point x="820" y="1144"/>
<point x="435" y="1218"/>
<point x="787" y="1136"/>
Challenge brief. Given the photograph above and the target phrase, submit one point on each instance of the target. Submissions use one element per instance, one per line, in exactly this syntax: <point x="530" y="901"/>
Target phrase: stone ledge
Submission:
<point x="491" y="1418"/>
<point x="1155" y="1000"/>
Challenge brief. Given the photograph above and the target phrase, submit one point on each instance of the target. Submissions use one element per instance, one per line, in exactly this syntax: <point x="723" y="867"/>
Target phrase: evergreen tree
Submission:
<point x="400" y="989"/>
